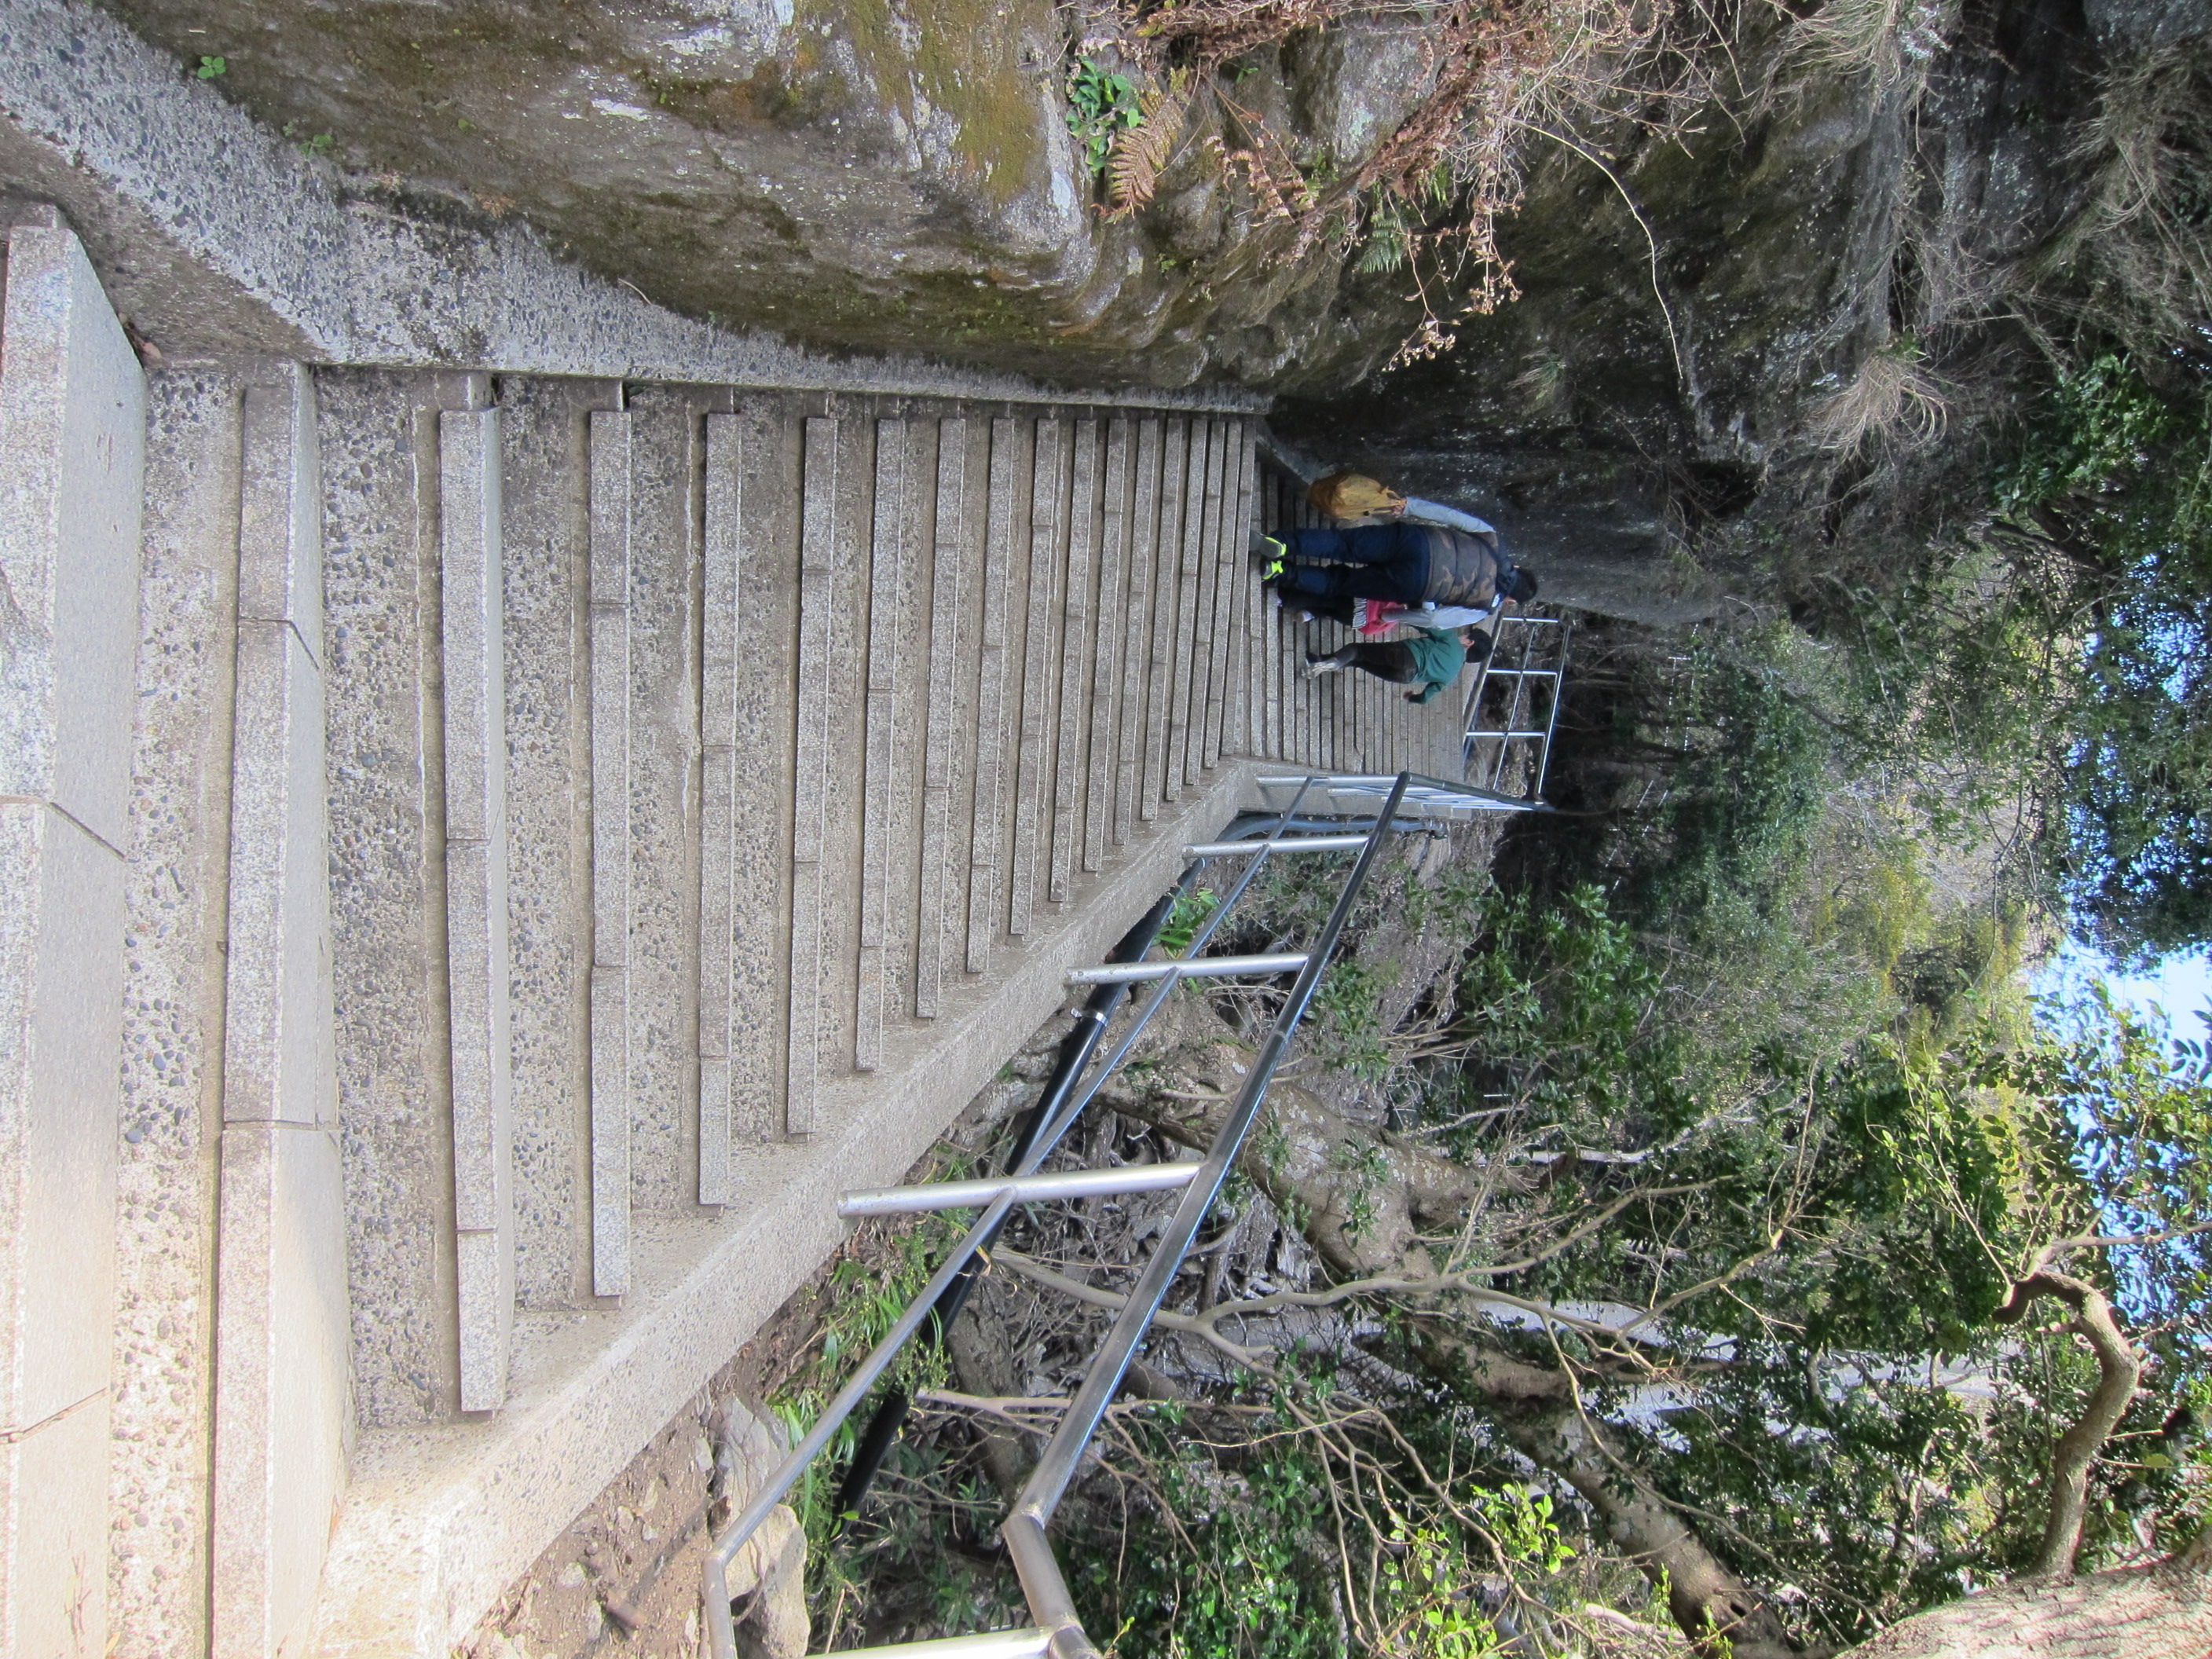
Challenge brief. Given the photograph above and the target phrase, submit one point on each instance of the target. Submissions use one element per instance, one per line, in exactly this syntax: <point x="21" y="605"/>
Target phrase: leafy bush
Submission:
<point x="1101" y="107"/>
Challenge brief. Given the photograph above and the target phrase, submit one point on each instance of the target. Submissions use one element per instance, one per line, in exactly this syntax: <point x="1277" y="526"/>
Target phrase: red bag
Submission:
<point x="1379" y="617"/>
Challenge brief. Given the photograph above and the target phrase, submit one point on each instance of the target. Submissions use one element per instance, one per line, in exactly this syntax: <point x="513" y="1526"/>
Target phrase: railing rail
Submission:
<point x="1489" y="747"/>
<point x="1406" y="801"/>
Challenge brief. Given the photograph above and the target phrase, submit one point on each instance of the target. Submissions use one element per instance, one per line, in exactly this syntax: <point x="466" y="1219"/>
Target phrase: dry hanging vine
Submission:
<point x="1428" y="196"/>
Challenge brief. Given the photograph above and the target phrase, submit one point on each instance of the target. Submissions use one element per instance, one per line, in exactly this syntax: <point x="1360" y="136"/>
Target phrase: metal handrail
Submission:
<point x="1491" y="770"/>
<point x="1058" y="1633"/>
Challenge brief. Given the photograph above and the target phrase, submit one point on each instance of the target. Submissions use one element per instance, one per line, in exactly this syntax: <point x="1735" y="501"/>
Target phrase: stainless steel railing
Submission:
<point x="1537" y="676"/>
<point x="1404" y="802"/>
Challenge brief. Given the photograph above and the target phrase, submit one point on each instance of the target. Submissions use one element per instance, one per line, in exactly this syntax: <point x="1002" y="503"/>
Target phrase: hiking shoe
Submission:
<point x="1317" y="667"/>
<point x="1266" y="546"/>
<point x="1271" y="570"/>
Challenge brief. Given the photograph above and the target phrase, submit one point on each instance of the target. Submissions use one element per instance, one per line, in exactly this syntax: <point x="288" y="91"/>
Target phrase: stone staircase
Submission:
<point x="574" y="828"/>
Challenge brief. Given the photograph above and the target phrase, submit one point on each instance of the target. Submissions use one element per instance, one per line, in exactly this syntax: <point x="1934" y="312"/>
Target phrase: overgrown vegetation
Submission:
<point x="1710" y="1197"/>
<point x="2021" y="613"/>
<point x="1426" y="196"/>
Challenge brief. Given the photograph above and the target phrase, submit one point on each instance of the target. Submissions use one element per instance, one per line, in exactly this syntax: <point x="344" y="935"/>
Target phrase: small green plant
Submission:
<point x="1190" y="912"/>
<point x="863" y="1300"/>
<point x="1522" y="1520"/>
<point x="1101" y="106"/>
<point x="211" y="67"/>
<point x="1426" y="1574"/>
<point x="321" y="144"/>
<point x="1366" y="1167"/>
<point x="1351" y="1035"/>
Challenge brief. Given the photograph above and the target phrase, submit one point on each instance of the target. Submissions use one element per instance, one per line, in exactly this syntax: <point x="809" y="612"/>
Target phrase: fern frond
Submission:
<point x="1140" y="154"/>
<point x="1386" y="251"/>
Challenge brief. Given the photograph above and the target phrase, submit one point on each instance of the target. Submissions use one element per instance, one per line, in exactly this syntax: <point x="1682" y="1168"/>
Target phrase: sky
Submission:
<point x="2182" y="984"/>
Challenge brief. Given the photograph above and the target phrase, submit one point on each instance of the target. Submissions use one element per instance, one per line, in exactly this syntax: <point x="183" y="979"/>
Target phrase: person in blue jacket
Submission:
<point x="1432" y="658"/>
<point x="1436" y="556"/>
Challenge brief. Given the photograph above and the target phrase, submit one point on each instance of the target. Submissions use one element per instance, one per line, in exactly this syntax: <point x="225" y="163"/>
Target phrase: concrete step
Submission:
<point x="1163" y="469"/>
<point x="631" y="811"/>
<point x="959" y="530"/>
<point x="940" y="628"/>
<point x="1050" y="485"/>
<point x="431" y="766"/>
<point x="168" y="1178"/>
<point x="1075" y="653"/>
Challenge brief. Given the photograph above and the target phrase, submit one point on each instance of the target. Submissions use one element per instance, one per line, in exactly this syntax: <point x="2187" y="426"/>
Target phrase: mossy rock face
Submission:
<point x="860" y="173"/>
<point x="873" y="174"/>
<point x="898" y="175"/>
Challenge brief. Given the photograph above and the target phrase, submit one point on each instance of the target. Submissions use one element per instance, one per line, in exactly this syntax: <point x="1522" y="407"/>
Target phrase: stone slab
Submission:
<point x="546" y="526"/>
<point x="1168" y="611"/>
<point x="844" y="689"/>
<point x="1032" y="769"/>
<point x="61" y="1013"/>
<point x="279" y="1046"/>
<point x="721" y="582"/>
<point x="1214" y="596"/>
<point x="72" y="434"/>
<point x="379" y="437"/>
<point x="1140" y="531"/>
<point x="1188" y="688"/>
<point x="1074" y="617"/>
<point x="769" y="493"/>
<point x="934" y="934"/>
<point x="1237" y="555"/>
<point x="72" y="447"/>
<point x="611" y="556"/>
<point x="471" y="618"/>
<point x="611" y="1219"/>
<point x="1129" y="616"/>
<point x="162" y="1398"/>
<point x="478" y="971"/>
<point x="886" y="554"/>
<point x="280" y="542"/>
<point x="667" y="430"/>
<point x="483" y="1201"/>
<point x="1108" y="692"/>
<point x="54" y="1499"/>
<point x="987" y="839"/>
<point x="821" y="551"/>
<point x="910" y="599"/>
<point x="283" y="1396"/>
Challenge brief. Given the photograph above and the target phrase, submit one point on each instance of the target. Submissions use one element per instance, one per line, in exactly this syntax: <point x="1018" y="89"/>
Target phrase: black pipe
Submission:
<point x="1076" y="1049"/>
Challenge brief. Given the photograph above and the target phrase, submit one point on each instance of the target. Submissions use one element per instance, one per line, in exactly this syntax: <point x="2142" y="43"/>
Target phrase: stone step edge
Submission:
<point x="438" y="1521"/>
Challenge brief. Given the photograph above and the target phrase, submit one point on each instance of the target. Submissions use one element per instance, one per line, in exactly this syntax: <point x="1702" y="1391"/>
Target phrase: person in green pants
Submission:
<point x="1431" y="659"/>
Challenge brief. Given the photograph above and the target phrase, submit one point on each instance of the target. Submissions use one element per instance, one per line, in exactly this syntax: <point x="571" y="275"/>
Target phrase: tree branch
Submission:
<point x="1710" y="1605"/>
<point x="2119" y="1368"/>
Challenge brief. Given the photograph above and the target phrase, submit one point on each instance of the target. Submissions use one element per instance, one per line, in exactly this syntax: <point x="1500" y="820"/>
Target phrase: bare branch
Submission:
<point x="2050" y="1254"/>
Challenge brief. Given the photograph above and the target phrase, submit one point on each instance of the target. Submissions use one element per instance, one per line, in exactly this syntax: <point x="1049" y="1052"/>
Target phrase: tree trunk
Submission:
<point x="2161" y="1611"/>
<point x="1706" y="1599"/>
